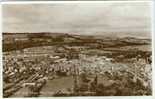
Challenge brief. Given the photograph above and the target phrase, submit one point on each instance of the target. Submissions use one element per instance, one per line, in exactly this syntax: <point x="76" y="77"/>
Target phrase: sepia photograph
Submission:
<point x="77" y="49"/>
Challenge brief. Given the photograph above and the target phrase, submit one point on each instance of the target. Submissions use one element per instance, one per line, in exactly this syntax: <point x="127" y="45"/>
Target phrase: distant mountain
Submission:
<point x="127" y="39"/>
<point x="26" y="40"/>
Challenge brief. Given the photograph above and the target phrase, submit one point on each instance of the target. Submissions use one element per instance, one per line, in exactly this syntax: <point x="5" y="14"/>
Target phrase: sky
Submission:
<point x="113" y="19"/>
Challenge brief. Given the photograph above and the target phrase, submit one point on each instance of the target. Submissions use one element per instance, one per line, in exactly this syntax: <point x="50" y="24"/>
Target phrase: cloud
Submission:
<point x="79" y="18"/>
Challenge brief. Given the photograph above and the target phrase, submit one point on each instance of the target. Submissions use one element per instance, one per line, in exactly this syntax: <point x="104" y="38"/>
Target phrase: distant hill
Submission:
<point x="24" y="40"/>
